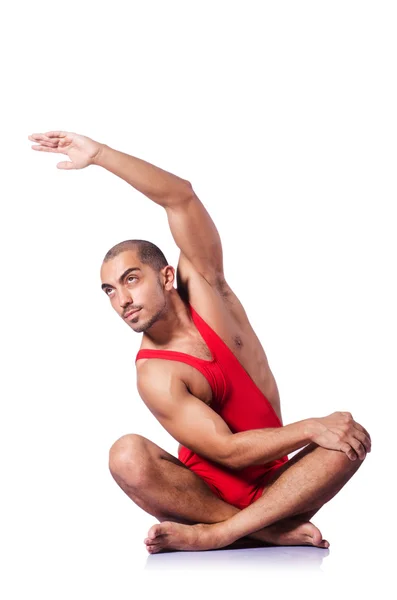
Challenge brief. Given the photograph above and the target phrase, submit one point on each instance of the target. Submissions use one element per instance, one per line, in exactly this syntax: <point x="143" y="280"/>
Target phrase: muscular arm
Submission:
<point x="162" y="187"/>
<point x="191" y="226"/>
<point x="198" y="427"/>
<point x="260" y="446"/>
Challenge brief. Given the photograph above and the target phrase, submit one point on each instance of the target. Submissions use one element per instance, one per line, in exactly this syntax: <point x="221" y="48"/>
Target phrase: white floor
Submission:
<point x="263" y="559"/>
<point x="350" y="569"/>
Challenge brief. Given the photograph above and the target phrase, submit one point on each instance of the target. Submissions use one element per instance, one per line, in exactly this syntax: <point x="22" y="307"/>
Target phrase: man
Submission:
<point x="203" y="373"/>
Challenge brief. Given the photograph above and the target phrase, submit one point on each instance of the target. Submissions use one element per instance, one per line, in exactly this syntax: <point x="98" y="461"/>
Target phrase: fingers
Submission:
<point x="360" y="428"/>
<point x="66" y="164"/>
<point x="358" y="448"/>
<point x="42" y="139"/>
<point x="57" y="134"/>
<point x="45" y="149"/>
<point x="51" y="140"/>
<point x="47" y="144"/>
<point x="362" y="436"/>
<point x="348" y="450"/>
<point x="49" y="134"/>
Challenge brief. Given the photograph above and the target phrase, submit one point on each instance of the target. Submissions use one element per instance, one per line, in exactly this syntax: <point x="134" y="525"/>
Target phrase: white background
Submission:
<point x="282" y="115"/>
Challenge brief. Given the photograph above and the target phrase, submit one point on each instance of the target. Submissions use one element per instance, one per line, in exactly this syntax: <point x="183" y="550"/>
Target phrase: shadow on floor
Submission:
<point x="244" y="555"/>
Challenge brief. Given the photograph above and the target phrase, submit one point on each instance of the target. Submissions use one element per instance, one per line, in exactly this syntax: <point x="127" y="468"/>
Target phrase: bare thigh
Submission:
<point x="296" y="458"/>
<point x="162" y="485"/>
<point x="276" y="474"/>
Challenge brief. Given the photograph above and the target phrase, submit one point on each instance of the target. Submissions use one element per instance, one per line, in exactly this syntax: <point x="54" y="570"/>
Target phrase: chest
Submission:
<point x="223" y="313"/>
<point x="246" y="347"/>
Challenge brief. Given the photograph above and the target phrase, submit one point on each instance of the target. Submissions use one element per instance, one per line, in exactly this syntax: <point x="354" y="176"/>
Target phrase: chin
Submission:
<point x="137" y="324"/>
<point x="141" y="327"/>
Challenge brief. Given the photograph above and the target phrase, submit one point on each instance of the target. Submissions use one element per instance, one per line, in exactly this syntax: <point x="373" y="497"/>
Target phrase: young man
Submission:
<point x="203" y="373"/>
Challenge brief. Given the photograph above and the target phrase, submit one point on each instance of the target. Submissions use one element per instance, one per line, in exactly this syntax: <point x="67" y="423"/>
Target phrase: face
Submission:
<point x="131" y="285"/>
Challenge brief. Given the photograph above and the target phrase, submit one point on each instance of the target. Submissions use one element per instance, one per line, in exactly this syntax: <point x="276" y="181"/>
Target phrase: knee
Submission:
<point x="128" y="457"/>
<point x="342" y="462"/>
<point x="355" y="464"/>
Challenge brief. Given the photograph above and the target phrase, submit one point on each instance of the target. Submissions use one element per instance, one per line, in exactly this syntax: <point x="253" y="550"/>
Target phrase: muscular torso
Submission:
<point x="224" y="313"/>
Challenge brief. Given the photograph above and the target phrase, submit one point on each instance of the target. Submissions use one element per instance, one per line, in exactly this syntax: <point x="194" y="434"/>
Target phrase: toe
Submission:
<point x="155" y="531"/>
<point x="153" y="547"/>
<point x="316" y="537"/>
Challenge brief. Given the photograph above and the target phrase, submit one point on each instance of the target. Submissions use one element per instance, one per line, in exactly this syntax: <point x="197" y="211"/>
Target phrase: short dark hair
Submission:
<point x="148" y="253"/>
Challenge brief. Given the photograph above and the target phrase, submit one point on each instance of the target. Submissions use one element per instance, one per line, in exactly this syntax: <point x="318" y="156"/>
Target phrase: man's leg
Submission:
<point x="164" y="487"/>
<point x="304" y="484"/>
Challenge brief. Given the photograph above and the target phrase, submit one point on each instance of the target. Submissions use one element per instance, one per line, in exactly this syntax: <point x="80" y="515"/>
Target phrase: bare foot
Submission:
<point x="169" y="535"/>
<point x="293" y="532"/>
<point x="177" y="536"/>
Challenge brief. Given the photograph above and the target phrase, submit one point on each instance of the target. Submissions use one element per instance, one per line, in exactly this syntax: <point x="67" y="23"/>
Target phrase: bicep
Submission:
<point x="186" y="418"/>
<point x="197" y="237"/>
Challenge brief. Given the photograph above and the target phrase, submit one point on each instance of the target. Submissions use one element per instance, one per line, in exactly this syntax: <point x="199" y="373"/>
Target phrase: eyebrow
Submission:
<point x="106" y="285"/>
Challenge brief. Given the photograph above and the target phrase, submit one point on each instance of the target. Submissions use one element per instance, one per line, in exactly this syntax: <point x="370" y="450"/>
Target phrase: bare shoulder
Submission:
<point x="213" y="298"/>
<point x="158" y="379"/>
<point x="153" y="373"/>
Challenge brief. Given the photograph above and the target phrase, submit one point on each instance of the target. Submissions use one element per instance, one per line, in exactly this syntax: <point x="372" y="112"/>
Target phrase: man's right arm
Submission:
<point x="198" y="427"/>
<point x="337" y="431"/>
<point x="260" y="446"/>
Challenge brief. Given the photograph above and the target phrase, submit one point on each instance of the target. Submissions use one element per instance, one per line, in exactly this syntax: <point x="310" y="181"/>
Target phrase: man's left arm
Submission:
<point x="191" y="226"/>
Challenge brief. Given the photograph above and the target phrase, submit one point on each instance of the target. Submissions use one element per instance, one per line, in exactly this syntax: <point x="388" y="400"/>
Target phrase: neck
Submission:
<point x="174" y="324"/>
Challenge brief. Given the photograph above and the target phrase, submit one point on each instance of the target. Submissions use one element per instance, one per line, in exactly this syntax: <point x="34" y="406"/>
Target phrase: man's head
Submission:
<point x="135" y="275"/>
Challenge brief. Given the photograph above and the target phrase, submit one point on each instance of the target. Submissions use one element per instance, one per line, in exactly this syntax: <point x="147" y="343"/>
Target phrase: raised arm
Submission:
<point x="191" y="226"/>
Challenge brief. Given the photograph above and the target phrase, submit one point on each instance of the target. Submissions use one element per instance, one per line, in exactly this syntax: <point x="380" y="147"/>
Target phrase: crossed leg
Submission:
<point x="187" y="508"/>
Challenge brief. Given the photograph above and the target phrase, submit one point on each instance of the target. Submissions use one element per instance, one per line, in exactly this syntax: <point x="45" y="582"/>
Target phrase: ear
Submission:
<point x="168" y="275"/>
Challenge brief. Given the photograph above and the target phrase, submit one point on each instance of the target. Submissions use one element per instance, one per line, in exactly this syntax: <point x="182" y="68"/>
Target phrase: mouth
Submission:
<point x="129" y="314"/>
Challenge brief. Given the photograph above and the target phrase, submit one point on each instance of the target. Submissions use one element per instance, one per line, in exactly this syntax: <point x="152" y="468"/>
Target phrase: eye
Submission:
<point x="107" y="290"/>
<point x="131" y="277"/>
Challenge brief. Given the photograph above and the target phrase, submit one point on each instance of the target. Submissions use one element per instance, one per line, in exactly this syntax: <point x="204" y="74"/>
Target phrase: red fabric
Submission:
<point x="241" y="404"/>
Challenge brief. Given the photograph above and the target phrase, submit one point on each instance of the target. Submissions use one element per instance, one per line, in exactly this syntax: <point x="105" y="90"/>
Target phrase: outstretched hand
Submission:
<point x="81" y="150"/>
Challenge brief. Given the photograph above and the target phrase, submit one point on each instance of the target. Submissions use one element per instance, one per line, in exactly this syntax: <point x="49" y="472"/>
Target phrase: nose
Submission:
<point x="125" y="299"/>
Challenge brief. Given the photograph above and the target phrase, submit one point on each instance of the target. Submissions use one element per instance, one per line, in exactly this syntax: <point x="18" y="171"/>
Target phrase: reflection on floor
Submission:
<point x="273" y="557"/>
